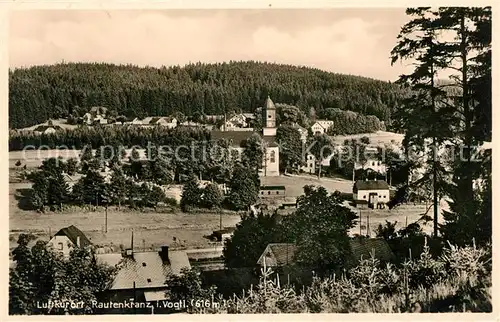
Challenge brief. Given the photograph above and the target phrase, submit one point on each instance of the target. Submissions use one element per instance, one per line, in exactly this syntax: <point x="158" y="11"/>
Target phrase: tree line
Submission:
<point x="110" y="179"/>
<point x="455" y="113"/>
<point x="39" y="93"/>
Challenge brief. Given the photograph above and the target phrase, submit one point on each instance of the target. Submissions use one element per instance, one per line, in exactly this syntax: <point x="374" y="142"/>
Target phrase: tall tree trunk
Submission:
<point x="469" y="193"/>
<point x="434" y="156"/>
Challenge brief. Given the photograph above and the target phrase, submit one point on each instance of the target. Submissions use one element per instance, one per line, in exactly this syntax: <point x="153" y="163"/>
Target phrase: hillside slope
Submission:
<point x="42" y="92"/>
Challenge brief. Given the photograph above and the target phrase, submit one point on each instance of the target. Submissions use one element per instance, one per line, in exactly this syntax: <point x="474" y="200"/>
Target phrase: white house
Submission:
<point x="310" y="164"/>
<point x="100" y="119"/>
<point x="67" y="239"/>
<point x="134" y="121"/>
<point x="169" y="122"/>
<point x="371" y="164"/>
<point x="371" y="193"/>
<point x="321" y="126"/>
<point x="46" y="129"/>
<point x="87" y="118"/>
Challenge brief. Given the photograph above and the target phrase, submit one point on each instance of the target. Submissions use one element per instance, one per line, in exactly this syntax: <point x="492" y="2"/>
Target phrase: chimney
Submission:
<point x="164" y="254"/>
<point x="78" y="241"/>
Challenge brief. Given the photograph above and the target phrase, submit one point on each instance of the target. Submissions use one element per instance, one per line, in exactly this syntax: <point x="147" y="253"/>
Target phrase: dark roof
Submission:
<point x="146" y="269"/>
<point x="270" y="140"/>
<point x="272" y="188"/>
<point x="154" y="120"/>
<point x="235" y="138"/>
<point x="371" y="185"/>
<point x="279" y="254"/>
<point x="363" y="247"/>
<point x="73" y="233"/>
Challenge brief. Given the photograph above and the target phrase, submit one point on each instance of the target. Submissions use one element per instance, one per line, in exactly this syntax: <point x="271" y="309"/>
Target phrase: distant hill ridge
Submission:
<point x="52" y="91"/>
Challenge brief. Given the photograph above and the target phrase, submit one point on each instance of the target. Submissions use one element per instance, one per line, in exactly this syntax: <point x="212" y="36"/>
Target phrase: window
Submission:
<point x="262" y="192"/>
<point x="373" y="163"/>
<point x="269" y="192"/>
<point x="60" y="246"/>
<point x="277" y="192"/>
<point x="273" y="156"/>
<point x="144" y="264"/>
<point x="364" y="196"/>
<point x="269" y="116"/>
<point x="149" y="280"/>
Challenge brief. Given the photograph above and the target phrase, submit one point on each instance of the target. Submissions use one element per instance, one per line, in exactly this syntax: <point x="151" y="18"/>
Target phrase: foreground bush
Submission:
<point x="457" y="281"/>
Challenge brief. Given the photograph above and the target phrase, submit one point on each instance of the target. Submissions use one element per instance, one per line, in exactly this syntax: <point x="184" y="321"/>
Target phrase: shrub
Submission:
<point x="457" y="281"/>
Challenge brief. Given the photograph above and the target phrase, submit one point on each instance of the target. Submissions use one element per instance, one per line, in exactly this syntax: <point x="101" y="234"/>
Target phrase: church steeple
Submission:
<point x="269" y="113"/>
<point x="269" y="118"/>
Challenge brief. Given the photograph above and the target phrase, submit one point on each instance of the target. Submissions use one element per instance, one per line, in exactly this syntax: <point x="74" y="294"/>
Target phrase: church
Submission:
<point x="270" y="163"/>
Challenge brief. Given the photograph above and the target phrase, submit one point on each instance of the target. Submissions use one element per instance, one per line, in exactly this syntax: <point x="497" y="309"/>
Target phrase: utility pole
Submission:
<point x="106" y="219"/>
<point x="368" y="225"/>
<point x="360" y="220"/>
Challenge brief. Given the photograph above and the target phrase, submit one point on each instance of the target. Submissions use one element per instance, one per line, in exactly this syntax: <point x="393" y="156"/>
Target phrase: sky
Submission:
<point x="347" y="41"/>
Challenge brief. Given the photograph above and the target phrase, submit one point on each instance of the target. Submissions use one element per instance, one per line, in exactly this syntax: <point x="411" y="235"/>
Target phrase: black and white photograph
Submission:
<point x="250" y="161"/>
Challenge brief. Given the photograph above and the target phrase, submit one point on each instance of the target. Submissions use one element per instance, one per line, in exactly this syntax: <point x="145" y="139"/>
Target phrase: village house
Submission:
<point x="321" y="126"/>
<point x="310" y="164"/>
<point x="67" y="239"/>
<point x="270" y="162"/>
<point x="142" y="275"/>
<point x="282" y="254"/>
<point x="222" y="234"/>
<point x="48" y="128"/>
<point x="238" y="122"/>
<point x="166" y="121"/>
<point x="87" y="119"/>
<point x="371" y="193"/>
<point x="371" y="164"/>
<point x="134" y="121"/>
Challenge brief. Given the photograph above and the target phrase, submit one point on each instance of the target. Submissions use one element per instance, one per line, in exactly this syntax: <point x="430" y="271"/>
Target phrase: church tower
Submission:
<point x="269" y="118"/>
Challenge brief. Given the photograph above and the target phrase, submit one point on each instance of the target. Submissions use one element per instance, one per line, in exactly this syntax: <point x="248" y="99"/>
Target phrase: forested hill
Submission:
<point x="42" y="92"/>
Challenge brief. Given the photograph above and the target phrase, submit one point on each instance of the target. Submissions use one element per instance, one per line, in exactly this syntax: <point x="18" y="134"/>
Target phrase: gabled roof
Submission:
<point x="146" y="269"/>
<point x="362" y="248"/>
<point x="277" y="254"/>
<point x="280" y="254"/>
<point x="371" y="185"/>
<point x="73" y="233"/>
<point x="270" y="140"/>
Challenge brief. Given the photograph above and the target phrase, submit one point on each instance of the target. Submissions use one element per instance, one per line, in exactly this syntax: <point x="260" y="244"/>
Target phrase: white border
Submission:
<point x="6" y="6"/>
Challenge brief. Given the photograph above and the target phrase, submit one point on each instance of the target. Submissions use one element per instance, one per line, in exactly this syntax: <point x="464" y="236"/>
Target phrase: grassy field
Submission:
<point x="378" y="138"/>
<point x="295" y="183"/>
<point x="154" y="228"/>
